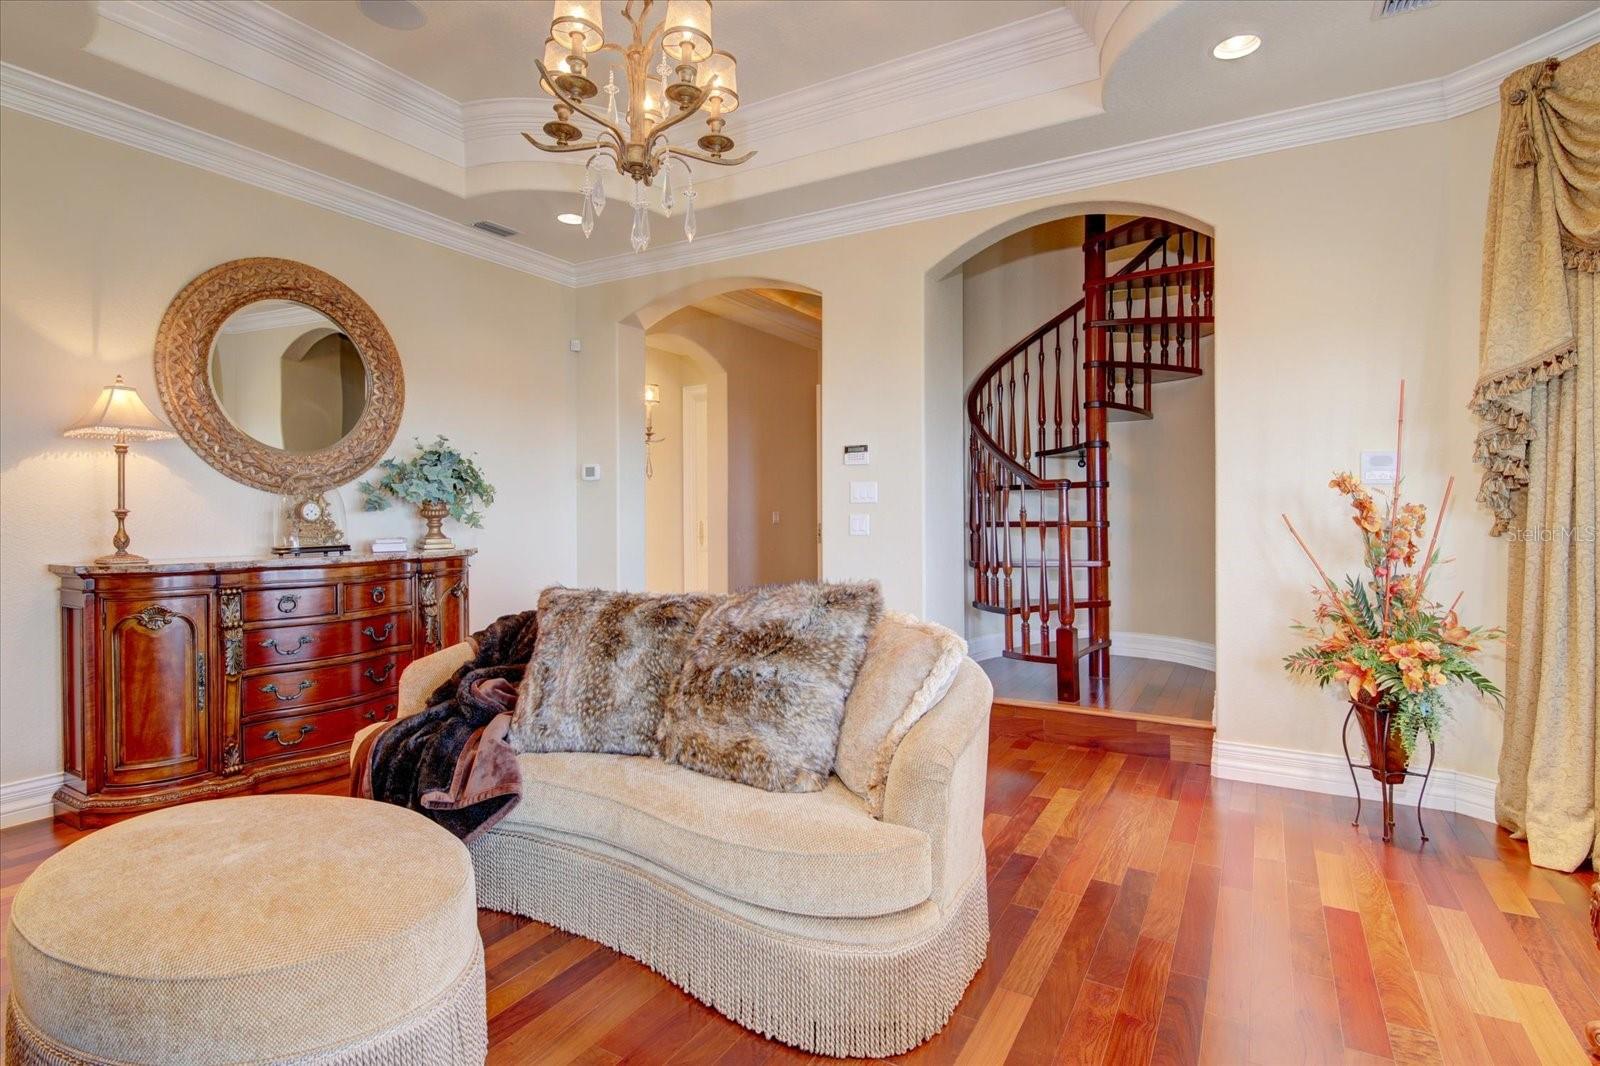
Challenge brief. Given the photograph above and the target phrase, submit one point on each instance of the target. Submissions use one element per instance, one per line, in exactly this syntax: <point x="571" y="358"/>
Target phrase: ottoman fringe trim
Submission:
<point x="825" y="997"/>
<point x="450" y="1031"/>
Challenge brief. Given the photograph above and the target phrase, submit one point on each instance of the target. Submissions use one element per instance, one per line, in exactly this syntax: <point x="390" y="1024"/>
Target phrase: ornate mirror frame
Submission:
<point x="183" y="374"/>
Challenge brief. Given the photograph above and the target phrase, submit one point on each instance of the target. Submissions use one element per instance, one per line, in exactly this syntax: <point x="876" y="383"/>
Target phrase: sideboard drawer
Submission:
<point x="274" y="605"/>
<point x="375" y="595"/>
<point x="272" y="737"/>
<point x="287" y="645"/>
<point x="291" y="690"/>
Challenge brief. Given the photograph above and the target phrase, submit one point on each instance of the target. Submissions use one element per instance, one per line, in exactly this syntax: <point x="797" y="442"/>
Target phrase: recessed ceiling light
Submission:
<point x="395" y="14"/>
<point x="567" y="218"/>
<point x="1237" y="47"/>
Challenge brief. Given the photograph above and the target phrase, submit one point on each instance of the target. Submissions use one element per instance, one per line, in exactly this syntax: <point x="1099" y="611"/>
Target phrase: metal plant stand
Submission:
<point x="1384" y="772"/>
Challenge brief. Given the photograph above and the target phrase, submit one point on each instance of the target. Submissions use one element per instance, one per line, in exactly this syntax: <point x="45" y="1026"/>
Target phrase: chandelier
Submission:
<point x="692" y="76"/>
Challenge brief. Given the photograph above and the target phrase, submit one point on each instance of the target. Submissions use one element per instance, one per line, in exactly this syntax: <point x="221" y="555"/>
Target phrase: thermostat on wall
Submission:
<point x="591" y="471"/>
<point x="1377" y="468"/>
<point x="857" y="455"/>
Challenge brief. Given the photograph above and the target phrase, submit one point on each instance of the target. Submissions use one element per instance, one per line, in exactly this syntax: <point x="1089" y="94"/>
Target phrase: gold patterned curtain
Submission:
<point x="1539" y="375"/>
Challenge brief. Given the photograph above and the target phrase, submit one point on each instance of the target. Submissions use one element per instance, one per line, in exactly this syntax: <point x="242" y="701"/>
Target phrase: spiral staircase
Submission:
<point x="1037" y="520"/>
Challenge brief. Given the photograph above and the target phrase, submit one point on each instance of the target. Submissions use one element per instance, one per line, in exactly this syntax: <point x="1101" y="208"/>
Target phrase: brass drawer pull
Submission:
<point x="379" y="593"/>
<point x="280" y="697"/>
<point x="378" y="679"/>
<point x="305" y="730"/>
<point x="372" y="716"/>
<point x="378" y="637"/>
<point x="287" y="603"/>
<point x="273" y="644"/>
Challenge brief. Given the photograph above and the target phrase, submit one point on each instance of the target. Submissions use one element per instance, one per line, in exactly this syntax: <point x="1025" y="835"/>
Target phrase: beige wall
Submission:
<point x="1315" y="327"/>
<point x="95" y="240"/>
<point x="1161" y="471"/>
<point x="769" y="440"/>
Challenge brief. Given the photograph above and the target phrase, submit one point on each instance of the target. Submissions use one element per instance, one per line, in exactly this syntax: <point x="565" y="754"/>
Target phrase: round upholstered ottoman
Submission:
<point x="311" y="929"/>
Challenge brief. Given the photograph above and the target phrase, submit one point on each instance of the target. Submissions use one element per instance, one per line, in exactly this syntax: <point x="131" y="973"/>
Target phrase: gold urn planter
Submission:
<point x="434" y="540"/>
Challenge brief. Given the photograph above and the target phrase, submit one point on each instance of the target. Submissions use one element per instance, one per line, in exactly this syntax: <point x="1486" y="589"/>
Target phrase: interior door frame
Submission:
<point x="696" y="488"/>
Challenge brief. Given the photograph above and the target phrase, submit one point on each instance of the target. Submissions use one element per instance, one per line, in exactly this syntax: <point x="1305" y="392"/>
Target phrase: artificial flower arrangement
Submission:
<point x="440" y="481"/>
<point x="1380" y="637"/>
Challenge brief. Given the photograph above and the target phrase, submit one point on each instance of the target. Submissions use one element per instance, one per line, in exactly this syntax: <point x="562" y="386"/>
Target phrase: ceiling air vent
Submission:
<point x="495" y="228"/>
<point x="1382" y="9"/>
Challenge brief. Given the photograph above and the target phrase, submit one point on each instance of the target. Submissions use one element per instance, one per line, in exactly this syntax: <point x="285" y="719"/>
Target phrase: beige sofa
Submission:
<point x="800" y="916"/>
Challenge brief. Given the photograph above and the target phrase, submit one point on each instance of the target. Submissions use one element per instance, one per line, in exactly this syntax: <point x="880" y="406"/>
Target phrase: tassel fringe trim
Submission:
<point x="1576" y="257"/>
<point x="825" y="997"/>
<point x="1501" y="447"/>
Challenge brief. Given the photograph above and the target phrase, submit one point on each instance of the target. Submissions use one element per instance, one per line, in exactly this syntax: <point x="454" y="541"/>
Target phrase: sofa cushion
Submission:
<point x="763" y="690"/>
<point x="817" y="853"/>
<point x="602" y="670"/>
<point x="910" y="665"/>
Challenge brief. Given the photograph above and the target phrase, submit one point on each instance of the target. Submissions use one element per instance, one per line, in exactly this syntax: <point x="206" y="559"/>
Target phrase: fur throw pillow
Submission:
<point x="763" y="691"/>
<point x="909" y="667"/>
<point x="603" y="668"/>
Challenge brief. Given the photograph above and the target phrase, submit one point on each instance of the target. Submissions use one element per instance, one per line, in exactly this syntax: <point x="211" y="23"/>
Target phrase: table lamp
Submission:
<point x="120" y="416"/>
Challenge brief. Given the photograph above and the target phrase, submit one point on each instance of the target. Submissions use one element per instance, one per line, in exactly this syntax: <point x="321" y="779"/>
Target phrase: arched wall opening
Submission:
<point x="734" y="367"/>
<point x="983" y="297"/>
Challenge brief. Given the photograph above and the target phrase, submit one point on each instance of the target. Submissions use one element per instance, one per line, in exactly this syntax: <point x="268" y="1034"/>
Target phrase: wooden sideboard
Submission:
<point x="192" y="680"/>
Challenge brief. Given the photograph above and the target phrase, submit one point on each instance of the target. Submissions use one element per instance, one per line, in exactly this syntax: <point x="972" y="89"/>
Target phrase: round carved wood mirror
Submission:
<point x="279" y="375"/>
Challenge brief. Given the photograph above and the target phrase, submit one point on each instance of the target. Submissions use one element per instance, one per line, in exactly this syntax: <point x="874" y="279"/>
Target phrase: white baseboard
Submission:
<point x="1140" y="645"/>
<point x="28" y="800"/>
<point x="1448" y="790"/>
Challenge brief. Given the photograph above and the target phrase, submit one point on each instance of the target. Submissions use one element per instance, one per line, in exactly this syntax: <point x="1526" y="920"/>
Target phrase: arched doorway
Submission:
<point x="729" y="389"/>
<point x="1153" y="570"/>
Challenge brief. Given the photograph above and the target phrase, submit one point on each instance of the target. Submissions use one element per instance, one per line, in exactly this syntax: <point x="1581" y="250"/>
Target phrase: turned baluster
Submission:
<point x="1077" y="408"/>
<point x="1058" y="386"/>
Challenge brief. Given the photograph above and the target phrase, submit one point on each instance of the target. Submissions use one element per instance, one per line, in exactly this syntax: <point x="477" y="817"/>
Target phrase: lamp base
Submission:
<point x="120" y="558"/>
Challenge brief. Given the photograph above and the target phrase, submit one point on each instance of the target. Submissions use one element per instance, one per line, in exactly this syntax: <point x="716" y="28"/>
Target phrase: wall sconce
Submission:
<point x="652" y="396"/>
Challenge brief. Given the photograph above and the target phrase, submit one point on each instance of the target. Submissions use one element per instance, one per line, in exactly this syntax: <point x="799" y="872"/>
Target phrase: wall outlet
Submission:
<point x="863" y="492"/>
<point x="574" y="345"/>
<point x="775" y="517"/>
<point x="861" y="525"/>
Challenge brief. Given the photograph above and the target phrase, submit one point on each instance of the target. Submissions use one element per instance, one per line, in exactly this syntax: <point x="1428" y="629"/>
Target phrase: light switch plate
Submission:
<point x="861" y="525"/>
<point x="863" y="492"/>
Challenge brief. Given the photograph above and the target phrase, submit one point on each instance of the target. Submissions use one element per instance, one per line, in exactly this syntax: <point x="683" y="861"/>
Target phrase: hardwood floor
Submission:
<point x="1137" y="686"/>
<point x="1141" y="912"/>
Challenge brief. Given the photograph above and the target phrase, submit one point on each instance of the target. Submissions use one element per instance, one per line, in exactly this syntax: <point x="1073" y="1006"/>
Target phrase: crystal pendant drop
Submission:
<point x="588" y="213"/>
<point x="598" y="196"/>
<point x="641" y="221"/>
<point x="666" y="190"/>
<point x="688" y="215"/>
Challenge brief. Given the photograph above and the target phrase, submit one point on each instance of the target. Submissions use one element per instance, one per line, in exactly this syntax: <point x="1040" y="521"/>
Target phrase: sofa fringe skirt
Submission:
<point x="826" y="997"/>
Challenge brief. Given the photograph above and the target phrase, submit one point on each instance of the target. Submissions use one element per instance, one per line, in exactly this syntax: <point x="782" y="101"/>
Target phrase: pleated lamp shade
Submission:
<point x="119" y="413"/>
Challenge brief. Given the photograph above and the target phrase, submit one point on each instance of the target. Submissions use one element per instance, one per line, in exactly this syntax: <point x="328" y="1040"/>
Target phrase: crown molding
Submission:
<point x="1374" y="112"/>
<point x="1043" y="52"/>
<point x="34" y="94"/>
<point x="265" y="45"/>
<point x="1421" y="102"/>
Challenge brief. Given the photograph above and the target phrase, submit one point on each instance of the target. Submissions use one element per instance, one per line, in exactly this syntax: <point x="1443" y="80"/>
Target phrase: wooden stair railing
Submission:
<point x="1048" y="399"/>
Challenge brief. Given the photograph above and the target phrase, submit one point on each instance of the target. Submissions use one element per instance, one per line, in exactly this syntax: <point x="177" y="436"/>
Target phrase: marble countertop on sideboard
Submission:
<point x="255" y="562"/>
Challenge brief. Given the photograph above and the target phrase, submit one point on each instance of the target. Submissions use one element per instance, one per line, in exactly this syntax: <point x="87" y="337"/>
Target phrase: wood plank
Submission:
<point x="1360" y="1010"/>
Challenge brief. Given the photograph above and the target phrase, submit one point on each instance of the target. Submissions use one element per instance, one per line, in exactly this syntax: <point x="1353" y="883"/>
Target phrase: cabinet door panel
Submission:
<point x="156" y="688"/>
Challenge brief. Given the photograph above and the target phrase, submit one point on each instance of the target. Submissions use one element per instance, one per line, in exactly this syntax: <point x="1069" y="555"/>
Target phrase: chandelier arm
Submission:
<point x="580" y="146"/>
<point x="690" y="153"/>
<point x="576" y="104"/>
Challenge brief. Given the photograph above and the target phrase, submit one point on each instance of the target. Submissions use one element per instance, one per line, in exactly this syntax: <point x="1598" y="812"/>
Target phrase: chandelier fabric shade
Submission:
<point x="687" y="35"/>
<point x="720" y="76"/>
<point x="582" y="18"/>
<point x="672" y="72"/>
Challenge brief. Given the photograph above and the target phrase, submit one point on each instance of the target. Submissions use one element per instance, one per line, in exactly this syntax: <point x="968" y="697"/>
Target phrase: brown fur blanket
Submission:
<point x="451" y="762"/>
